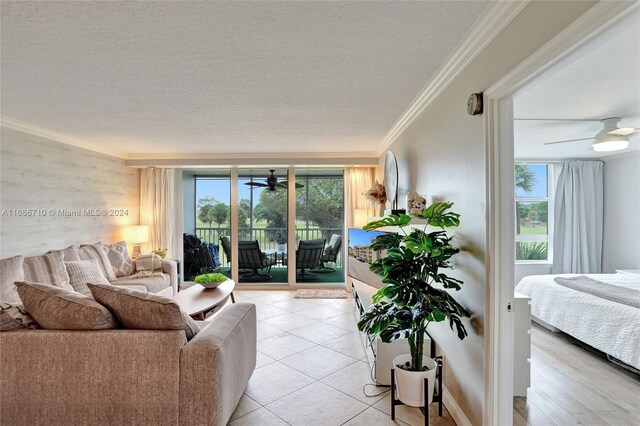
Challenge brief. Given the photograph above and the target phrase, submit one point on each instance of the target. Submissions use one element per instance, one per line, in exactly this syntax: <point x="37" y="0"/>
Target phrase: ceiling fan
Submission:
<point x="610" y="138"/>
<point x="272" y="183"/>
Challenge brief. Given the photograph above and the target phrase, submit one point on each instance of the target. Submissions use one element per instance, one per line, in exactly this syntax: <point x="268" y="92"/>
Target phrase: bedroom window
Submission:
<point x="534" y="199"/>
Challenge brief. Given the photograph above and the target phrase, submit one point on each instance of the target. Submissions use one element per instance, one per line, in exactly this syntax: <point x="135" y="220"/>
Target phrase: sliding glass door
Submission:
<point x="262" y="226"/>
<point x="266" y="240"/>
<point x="319" y="226"/>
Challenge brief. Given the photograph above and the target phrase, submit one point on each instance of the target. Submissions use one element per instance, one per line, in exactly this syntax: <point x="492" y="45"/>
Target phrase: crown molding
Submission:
<point x="32" y="129"/>
<point x="253" y="159"/>
<point x="491" y="23"/>
<point x="249" y="156"/>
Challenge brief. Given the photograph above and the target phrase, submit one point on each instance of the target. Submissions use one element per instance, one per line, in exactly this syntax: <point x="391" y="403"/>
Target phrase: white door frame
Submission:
<point x="599" y="24"/>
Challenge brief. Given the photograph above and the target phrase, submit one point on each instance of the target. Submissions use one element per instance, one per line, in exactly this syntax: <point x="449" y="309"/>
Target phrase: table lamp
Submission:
<point x="136" y="235"/>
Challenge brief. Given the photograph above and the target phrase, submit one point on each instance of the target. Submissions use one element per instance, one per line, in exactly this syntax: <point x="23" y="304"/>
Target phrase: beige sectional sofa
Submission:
<point x="165" y="285"/>
<point x="128" y="377"/>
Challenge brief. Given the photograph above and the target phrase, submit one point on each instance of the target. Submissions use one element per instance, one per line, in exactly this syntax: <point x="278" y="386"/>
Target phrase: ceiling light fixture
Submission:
<point x="606" y="140"/>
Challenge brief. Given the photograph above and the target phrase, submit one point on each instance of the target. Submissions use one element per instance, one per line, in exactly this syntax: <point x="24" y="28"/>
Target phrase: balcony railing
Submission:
<point x="264" y="236"/>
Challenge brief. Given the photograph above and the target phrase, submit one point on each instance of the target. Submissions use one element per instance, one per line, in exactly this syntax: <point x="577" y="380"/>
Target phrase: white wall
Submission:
<point x="442" y="154"/>
<point x="39" y="173"/>
<point x="621" y="242"/>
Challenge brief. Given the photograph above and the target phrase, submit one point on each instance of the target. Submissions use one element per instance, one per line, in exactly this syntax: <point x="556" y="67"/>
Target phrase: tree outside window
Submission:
<point x="533" y="233"/>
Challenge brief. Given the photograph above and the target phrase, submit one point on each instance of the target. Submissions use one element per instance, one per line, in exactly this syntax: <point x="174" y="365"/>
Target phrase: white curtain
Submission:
<point x="578" y="218"/>
<point x="358" y="180"/>
<point x="156" y="207"/>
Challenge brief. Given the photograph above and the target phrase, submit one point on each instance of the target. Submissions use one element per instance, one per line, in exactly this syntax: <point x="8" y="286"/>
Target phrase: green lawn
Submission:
<point x="537" y="230"/>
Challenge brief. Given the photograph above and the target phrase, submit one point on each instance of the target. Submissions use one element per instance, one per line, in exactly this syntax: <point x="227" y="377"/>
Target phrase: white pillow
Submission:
<point x="82" y="272"/>
<point x="10" y="272"/>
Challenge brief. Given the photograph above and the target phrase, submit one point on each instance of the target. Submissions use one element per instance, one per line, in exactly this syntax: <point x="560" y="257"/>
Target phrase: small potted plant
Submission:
<point x="281" y="240"/>
<point x="415" y="293"/>
<point x="160" y="252"/>
<point x="210" y="280"/>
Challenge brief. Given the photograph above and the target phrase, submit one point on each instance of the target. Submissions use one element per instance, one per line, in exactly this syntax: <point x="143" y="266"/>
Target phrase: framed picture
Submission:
<point x="416" y="203"/>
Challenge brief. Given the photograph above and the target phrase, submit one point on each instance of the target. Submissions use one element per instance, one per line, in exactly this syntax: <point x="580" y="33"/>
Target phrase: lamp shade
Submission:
<point x="136" y="234"/>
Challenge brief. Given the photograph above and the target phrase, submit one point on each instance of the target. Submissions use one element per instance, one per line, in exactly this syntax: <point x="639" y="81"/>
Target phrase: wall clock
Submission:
<point x="474" y="104"/>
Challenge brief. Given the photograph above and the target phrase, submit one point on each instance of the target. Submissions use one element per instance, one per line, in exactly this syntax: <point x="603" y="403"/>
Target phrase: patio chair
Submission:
<point x="330" y="254"/>
<point x="225" y="242"/>
<point x="308" y="257"/>
<point x="250" y="257"/>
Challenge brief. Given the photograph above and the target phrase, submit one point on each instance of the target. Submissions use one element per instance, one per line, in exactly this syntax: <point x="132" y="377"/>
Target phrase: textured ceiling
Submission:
<point x="224" y="77"/>
<point x="603" y="83"/>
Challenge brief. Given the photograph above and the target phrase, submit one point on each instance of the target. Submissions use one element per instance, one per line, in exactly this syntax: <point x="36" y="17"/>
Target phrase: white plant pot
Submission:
<point x="410" y="384"/>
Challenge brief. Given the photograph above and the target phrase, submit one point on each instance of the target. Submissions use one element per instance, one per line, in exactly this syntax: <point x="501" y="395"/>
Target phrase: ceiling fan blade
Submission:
<point x="282" y="184"/>
<point x="285" y="184"/>
<point x="624" y="131"/>
<point x="256" y="184"/>
<point x="568" y="140"/>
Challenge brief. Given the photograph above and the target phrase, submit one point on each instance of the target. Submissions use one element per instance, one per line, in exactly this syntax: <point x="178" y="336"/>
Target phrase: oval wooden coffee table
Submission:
<point x="198" y="301"/>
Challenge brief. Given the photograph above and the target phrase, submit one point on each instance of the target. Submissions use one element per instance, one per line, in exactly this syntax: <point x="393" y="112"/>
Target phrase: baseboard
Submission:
<point x="454" y="409"/>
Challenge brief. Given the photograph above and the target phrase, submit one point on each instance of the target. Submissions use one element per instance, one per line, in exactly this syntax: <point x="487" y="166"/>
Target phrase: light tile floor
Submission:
<point x="311" y="368"/>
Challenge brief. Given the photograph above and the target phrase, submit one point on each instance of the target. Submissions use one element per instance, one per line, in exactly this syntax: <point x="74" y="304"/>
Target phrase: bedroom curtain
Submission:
<point x="578" y="217"/>
<point x="156" y="207"/>
<point x="358" y="180"/>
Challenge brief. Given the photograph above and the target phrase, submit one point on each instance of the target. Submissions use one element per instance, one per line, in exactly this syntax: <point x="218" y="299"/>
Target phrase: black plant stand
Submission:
<point x="437" y="395"/>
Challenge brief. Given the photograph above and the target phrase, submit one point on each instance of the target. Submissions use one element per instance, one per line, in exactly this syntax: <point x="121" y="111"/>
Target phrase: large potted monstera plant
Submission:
<point x="415" y="294"/>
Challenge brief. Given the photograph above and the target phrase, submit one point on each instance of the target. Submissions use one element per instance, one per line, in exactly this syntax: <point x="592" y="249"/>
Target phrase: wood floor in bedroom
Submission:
<point x="572" y="385"/>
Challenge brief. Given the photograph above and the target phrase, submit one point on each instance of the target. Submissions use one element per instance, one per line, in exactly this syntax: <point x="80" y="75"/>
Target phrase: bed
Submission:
<point x="611" y="327"/>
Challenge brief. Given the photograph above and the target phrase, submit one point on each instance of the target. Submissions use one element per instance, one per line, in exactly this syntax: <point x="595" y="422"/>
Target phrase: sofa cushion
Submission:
<point x="14" y="316"/>
<point x="10" y="272"/>
<point x="154" y="283"/>
<point x="47" y="269"/>
<point x="119" y="258"/>
<point x="57" y="308"/>
<point x="147" y="311"/>
<point x="82" y="272"/>
<point x="97" y="251"/>
<point x="149" y="263"/>
<point x="69" y="254"/>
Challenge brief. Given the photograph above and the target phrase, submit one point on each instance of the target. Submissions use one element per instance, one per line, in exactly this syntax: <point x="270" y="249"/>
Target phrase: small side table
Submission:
<point x="198" y="301"/>
<point x="437" y="394"/>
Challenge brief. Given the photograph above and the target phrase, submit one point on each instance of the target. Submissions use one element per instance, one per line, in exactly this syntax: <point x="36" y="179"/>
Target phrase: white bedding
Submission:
<point x="611" y="327"/>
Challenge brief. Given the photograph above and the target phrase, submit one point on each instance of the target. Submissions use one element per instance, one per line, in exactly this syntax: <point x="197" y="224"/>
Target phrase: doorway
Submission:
<point x="600" y="23"/>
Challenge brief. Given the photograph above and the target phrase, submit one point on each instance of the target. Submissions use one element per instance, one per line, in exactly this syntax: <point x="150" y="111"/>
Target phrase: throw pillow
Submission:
<point x="82" y="272"/>
<point x="56" y="308"/>
<point x="46" y="269"/>
<point x="10" y="272"/>
<point x="97" y="251"/>
<point x="149" y="263"/>
<point x="119" y="258"/>
<point x="68" y="254"/>
<point x="140" y="310"/>
<point x="15" y="317"/>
